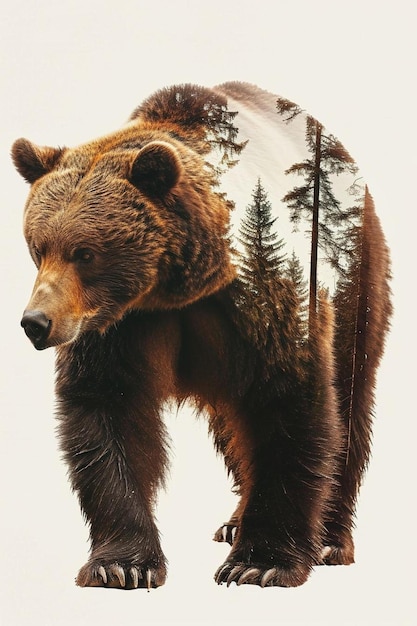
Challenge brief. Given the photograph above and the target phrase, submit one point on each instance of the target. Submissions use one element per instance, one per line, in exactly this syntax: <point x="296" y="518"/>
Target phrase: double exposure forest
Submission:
<point x="333" y="288"/>
<point x="289" y="302"/>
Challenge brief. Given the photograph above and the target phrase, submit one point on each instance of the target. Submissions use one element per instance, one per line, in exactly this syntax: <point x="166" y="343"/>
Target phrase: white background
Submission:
<point x="72" y="70"/>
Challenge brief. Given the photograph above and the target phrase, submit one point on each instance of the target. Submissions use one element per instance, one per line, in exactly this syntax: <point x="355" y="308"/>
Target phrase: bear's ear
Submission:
<point x="33" y="161"/>
<point x="156" y="169"/>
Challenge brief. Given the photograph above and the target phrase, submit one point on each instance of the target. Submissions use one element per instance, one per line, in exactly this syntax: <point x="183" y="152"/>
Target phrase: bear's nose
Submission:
<point x="36" y="326"/>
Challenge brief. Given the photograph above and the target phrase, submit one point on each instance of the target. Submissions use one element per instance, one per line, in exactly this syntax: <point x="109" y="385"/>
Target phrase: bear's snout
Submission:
<point x="37" y="327"/>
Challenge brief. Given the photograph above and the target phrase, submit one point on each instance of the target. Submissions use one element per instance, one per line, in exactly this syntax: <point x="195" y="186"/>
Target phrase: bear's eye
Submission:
<point x="83" y="255"/>
<point x="37" y="255"/>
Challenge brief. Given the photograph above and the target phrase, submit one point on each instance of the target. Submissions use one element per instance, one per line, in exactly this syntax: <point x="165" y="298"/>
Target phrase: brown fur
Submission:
<point x="363" y="310"/>
<point x="137" y="291"/>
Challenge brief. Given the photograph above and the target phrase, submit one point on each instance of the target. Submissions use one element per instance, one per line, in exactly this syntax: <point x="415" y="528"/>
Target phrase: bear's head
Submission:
<point x="131" y="221"/>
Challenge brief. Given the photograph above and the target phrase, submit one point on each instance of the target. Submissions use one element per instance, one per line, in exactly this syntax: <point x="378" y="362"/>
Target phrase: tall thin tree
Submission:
<point x="315" y="200"/>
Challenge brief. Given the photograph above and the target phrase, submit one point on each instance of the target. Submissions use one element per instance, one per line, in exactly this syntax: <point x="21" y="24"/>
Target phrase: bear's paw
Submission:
<point x="262" y="575"/>
<point x="225" y="534"/>
<point x="120" y="576"/>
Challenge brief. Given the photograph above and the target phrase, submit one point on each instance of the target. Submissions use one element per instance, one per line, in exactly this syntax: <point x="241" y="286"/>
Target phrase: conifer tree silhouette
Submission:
<point x="263" y="261"/>
<point x="315" y="200"/>
<point x="294" y="273"/>
<point x="270" y="297"/>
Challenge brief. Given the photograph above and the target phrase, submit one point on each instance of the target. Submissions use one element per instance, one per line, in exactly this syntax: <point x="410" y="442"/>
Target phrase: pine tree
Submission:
<point x="263" y="260"/>
<point x="294" y="273"/>
<point x="270" y="299"/>
<point x="288" y="110"/>
<point x="314" y="200"/>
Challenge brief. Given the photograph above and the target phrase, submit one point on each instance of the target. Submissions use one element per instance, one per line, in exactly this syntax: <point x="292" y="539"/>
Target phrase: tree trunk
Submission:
<point x="315" y="229"/>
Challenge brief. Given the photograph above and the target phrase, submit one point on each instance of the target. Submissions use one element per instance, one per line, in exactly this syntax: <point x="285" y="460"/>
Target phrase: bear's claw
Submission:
<point x="118" y="576"/>
<point x="233" y="574"/>
<point x="248" y="576"/>
<point x="242" y="574"/>
<point x="226" y="534"/>
<point x="239" y="574"/>
<point x="268" y="577"/>
<point x="102" y="572"/>
<point x="337" y="555"/>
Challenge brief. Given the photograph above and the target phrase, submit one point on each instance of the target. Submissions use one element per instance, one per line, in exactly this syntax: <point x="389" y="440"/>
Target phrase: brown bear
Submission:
<point x="138" y="292"/>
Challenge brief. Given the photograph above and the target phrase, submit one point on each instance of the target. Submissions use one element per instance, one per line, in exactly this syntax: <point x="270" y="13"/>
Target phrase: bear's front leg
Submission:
<point x="112" y="437"/>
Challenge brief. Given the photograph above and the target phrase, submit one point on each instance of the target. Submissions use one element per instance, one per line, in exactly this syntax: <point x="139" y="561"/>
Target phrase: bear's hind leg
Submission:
<point x="229" y="444"/>
<point x="280" y="532"/>
<point x="338" y="543"/>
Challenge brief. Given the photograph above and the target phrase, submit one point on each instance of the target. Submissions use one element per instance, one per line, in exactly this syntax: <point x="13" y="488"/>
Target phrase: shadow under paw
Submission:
<point x="120" y="576"/>
<point x="262" y="575"/>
